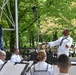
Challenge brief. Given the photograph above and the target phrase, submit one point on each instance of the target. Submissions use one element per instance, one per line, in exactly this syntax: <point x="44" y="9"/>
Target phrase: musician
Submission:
<point x="64" y="65"/>
<point x="16" y="57"/>
<point x="42" y="68"/>
<point x="2" y="57"/>
<point x="64" y="43"/>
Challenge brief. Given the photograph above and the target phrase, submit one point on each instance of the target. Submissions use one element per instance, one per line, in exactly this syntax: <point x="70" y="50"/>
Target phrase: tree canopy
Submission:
<point x="52" y="16"/>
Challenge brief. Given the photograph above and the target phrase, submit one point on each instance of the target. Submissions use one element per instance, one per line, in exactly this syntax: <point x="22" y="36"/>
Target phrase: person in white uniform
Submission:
<point x="63" y="42"/>
<point x="41" y="68"/>
<point x="2" y="57"/>
<point x="16" y="56"/>
<point x="63" y="64"/>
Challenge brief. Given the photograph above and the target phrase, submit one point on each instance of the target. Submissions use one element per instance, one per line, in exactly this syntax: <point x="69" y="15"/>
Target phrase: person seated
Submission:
<point x="2" y="57"/>
<point x="41" y="68"/>
<point x="16" y="57"/>
<point x="63" y="64"/>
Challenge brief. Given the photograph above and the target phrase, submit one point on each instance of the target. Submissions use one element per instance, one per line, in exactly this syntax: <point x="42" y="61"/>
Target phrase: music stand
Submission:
<point x="11" y="68"/>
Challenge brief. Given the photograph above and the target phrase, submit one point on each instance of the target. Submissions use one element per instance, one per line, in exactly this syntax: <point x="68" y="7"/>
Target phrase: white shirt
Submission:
<point x="62" y="74"/>
<point x="42" y="66"/>
<point x="1" y="62"/>
<point x="62" y="49"/>
<point x="16" y="58"/>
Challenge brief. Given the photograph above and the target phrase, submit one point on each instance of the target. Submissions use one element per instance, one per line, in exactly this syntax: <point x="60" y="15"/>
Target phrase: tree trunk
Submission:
<point x="55" y="37"/>
<point x="40" y="38"/>
<point x="12" y="40"/>
<point x="32" y="41"/>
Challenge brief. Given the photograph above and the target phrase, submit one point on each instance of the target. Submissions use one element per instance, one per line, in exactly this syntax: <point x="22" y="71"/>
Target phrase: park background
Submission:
<point x="51" y="17"/>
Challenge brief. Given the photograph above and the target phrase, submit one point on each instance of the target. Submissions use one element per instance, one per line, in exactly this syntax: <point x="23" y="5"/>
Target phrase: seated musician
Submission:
<point x="41" y="68"/>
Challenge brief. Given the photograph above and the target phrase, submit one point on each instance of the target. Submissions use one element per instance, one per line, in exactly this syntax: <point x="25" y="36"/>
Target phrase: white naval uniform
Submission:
<point x="1" y="62"/>
<point x="62" y="74"/>
<point x="16" y="58"/>
<point x="40" y="66"/>
<point x="62" y="49"/>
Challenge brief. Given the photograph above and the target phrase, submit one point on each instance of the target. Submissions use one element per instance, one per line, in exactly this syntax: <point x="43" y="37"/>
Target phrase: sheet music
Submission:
<point x="11" y="69"/>
<point x="29" y="67"/>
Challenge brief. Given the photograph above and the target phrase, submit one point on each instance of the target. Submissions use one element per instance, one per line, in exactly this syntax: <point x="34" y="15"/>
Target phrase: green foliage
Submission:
<point x="53" y="16"/>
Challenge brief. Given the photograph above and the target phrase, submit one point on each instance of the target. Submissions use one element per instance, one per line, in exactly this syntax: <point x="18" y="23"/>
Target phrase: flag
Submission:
<point x="1" y="39"/>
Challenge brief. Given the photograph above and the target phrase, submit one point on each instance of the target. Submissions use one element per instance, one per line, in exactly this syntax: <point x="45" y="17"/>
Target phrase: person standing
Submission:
<point x="63" y="42"/>
<point x="63" y="64"/>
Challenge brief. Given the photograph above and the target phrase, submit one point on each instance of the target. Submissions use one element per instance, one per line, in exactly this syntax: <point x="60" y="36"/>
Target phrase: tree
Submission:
<point x="53" y="15"/>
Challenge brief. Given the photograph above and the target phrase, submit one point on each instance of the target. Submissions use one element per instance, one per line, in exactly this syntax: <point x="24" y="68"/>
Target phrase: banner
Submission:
<point x="1" y="39"/>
